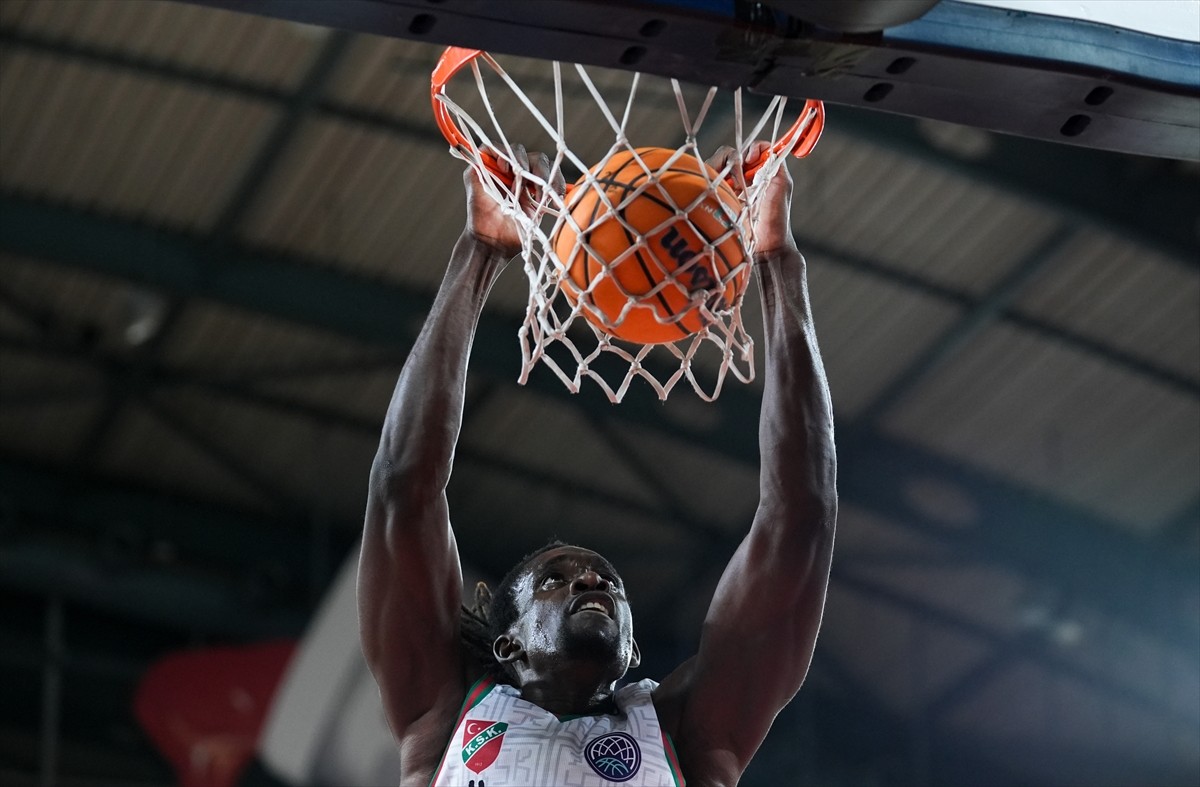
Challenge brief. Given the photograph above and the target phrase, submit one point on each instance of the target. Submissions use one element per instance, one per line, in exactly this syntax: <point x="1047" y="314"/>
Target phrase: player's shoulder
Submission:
<point x="639" y="694"/>
<point x="641" y="687"/>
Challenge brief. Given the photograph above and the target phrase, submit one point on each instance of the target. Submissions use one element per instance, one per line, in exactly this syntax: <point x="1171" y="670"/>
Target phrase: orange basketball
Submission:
<point x="691" y="250"/>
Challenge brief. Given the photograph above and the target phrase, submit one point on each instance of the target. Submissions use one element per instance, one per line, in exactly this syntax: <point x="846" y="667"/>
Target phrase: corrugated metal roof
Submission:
<point x="146" y="450"/>
<point x="1124" y="296"/>
<point x="134" y="146"/>
<point x="361" y="197"/>
<point x="1063" y="422"/>
<point x="930" y="222"/>
<point x="869" y="330"/>
<point x="218" y="42"/>
<point x="222" y="341"/>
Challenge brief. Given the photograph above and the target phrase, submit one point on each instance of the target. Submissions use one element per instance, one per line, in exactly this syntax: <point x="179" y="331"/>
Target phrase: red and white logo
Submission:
<point x="481" y="743"/>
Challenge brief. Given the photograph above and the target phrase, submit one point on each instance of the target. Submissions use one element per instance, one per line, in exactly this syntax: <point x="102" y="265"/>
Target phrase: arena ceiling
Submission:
<point x="219" y="234"/>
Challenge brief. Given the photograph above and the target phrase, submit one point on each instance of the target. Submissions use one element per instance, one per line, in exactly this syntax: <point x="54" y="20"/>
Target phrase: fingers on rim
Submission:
<point x="539" y="165"/>
<point x="721" y="157"/>
<point x="503" y="164"/>
<point x="521" y="162"/>
<point x="522" y="156"/>
<point x="541" y="168"/>
<point x="757" y="149"/>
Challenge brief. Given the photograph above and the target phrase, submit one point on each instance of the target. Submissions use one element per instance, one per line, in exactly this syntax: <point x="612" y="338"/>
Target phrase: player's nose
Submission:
<point x="589" y="580"/>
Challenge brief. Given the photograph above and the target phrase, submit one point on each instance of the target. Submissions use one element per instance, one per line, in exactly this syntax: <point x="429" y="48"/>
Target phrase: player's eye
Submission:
<point x="552" y="578"/>
<point x="611" y="579"/>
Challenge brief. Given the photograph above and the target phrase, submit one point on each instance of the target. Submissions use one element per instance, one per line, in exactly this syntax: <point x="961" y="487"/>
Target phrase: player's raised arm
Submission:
<point x="758" y="637"/>
<point x="410" y="581"/>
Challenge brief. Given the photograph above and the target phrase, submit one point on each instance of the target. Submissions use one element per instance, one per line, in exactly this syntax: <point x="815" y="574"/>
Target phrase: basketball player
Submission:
<point x="557" y="634"/>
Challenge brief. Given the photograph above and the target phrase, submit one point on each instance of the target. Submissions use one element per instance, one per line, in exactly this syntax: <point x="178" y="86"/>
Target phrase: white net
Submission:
<point x="640" y="269"/>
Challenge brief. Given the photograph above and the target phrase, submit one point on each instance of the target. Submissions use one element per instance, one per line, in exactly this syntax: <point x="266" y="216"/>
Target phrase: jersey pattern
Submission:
<point x="502" y="740"/>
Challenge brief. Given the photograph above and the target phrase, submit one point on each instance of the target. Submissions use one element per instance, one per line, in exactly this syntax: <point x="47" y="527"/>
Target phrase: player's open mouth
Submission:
<point x="593" y="602"/>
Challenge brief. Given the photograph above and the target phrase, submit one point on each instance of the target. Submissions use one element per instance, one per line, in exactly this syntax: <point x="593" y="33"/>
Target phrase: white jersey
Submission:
<point x="502" y="740"/>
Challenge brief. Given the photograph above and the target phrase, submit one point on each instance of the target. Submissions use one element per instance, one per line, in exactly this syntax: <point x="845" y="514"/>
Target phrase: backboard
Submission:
<point x="1121" y="76"/>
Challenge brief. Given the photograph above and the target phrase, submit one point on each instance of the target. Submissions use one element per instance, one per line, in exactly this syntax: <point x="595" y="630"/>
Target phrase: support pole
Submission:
<point x="51" y="691"/>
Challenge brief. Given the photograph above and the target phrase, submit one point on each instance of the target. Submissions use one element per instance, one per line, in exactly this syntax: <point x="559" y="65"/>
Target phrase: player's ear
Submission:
<point x="507" y="649"/>
<point x="635" y="658"/>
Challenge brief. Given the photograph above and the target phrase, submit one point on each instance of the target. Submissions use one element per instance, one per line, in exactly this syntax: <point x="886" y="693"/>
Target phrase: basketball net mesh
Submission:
<point x="556" y="332"/>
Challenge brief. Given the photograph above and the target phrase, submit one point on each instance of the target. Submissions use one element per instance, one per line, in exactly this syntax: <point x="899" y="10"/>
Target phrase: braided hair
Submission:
<point x="493" y="613"/>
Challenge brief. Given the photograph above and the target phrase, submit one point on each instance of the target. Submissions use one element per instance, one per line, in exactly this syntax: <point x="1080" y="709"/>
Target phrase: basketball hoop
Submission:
<point x="639" y="269"/>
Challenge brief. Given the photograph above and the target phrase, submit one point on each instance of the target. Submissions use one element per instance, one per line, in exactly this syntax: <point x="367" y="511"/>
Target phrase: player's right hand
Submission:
<point x="772" y="230"/>
<point x="487" y="219"/>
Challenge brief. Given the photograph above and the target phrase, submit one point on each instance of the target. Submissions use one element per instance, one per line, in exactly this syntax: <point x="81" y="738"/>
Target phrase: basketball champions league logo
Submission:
<point x="614" y="756"/>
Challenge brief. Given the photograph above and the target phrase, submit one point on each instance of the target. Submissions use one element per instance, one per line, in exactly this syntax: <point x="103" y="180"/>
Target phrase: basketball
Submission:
<point x="656" y="246"/>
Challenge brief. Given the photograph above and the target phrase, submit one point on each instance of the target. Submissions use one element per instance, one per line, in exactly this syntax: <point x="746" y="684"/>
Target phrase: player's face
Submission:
<point x="573" y="605"/>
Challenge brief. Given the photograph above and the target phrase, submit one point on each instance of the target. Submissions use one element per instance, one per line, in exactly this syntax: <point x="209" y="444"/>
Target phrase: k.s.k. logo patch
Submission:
<point x="614" y="756"/>
<point x="481" y="743"/>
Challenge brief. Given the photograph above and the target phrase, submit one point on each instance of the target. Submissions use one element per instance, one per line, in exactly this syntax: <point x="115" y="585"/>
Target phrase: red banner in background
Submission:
<point x="204" y="709"/>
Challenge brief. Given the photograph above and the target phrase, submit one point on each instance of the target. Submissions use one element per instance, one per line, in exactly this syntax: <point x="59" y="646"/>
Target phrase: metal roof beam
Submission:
<point x="296" y="107"/>
<point x="286" y="287"/>
<point x="968" y="327"/>
<point x="259" y="280"/>
<point x="1004" y="647"/>
<point x="211" y="585"/>
<point x="163" y="68"/>
<point x="97" y="508"/>
<point x="1002" y="658"/>
<point x="1090" y="186"/>
<point x="1030" y="533"/>
<point x="131" y="387"/>
<point x="1185" y="526"/>
<point x="1056" y="544"/>
<point x="165" y="597"/>
<point x="820" y="249"/>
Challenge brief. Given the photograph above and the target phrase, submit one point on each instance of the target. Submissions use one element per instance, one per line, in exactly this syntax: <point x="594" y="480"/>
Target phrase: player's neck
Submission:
<point x="575" y="691"/>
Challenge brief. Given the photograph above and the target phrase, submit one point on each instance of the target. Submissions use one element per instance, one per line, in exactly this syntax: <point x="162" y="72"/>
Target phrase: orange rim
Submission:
<point x="452" y="60"/>
<point x="800" y="139"/>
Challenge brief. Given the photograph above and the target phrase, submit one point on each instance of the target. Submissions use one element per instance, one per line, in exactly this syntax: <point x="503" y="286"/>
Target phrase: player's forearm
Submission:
<point x="425" y="414"/>
<point x="798" y="459"/>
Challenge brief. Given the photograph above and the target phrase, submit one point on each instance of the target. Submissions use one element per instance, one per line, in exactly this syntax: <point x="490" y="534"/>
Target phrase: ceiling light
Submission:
<point x="964" y="142"/>
<point x="144" y="315"/>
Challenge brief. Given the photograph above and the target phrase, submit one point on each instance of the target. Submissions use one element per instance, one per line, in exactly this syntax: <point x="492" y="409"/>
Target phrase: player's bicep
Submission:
<point x="409" y="597"/>
<point x="758" y="638"/>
